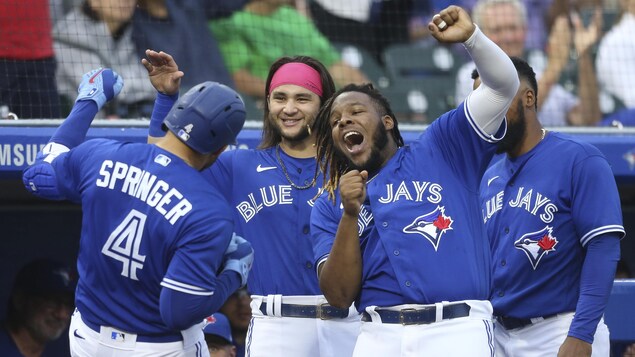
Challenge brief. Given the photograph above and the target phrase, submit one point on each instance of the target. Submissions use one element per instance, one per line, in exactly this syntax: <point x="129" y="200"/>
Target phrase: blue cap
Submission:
<point x="45" y="277"/>
<point x="218" y="325"/>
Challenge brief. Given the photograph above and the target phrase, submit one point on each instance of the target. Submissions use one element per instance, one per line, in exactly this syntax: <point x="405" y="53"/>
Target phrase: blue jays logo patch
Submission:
<point x="431" y="225"/>
<point x="537" y="244"/>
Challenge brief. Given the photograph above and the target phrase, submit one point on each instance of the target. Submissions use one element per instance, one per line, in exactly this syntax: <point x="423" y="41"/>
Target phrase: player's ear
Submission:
<point x="529" y="98"/>
<point x="388" y="121"/>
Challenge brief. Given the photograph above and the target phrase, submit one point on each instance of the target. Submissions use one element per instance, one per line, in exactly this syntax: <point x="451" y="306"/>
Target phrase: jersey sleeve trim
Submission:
<point x="185" y="288"/>
<point x="490" y="138"/>
<point x="320" y="262"/>
<point x="601" y="230"/>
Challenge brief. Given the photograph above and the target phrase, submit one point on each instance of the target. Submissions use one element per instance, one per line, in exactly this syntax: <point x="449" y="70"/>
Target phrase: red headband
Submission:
<point x="299" y="74"/>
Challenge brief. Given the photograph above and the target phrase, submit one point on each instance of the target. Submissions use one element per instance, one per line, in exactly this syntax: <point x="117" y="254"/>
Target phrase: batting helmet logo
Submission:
<point x="537" y="244"/>
<point x="431" y="226"/>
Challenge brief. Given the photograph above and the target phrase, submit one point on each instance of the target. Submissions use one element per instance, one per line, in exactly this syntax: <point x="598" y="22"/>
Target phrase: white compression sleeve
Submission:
<point x="488" y="104"/>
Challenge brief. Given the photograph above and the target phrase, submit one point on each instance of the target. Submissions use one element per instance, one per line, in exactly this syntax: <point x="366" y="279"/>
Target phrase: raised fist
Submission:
<point x="99" y="85"/>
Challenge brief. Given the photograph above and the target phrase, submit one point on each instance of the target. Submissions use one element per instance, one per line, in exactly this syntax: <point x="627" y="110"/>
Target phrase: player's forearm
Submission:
<point x="40" y="178"/>
<point x="488" y="104"/>
<point x="162" y="105"/>
<point x="341" y="276"/>
<point x="179" y="310"/>
<point x="495" y="68"/>
<point x="596" y="282"/>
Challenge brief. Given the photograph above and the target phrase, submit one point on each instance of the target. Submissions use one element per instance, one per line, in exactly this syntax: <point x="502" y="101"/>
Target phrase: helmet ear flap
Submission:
<point x="208" y="117"/>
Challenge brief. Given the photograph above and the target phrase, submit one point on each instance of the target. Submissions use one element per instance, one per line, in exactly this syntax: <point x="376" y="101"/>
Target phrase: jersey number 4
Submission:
<point x="123" y="244"/>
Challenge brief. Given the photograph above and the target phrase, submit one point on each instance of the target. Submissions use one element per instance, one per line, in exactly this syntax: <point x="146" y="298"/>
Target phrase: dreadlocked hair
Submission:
<point x="331" y="161"/>
<point x="270" y="137"/>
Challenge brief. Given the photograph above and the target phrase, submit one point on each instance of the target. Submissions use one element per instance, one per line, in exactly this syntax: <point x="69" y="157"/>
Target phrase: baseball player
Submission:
<point x="271" y="191"/>
<point x="402" y="232"/>
<point x="157" y="250"/>
<point x="552" y="213"/>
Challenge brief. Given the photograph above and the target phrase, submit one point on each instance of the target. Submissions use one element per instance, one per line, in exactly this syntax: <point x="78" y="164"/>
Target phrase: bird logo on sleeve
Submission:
<point x="431" y="226"/>
<point x="537" y="244"/>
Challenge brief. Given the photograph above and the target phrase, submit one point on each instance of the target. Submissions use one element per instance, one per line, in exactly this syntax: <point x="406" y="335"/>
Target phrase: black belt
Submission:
<point x="421" y="316"/>
<point x="154" y="338"/>
<point x="510" y="323"/>
<point x="322" y="311"/>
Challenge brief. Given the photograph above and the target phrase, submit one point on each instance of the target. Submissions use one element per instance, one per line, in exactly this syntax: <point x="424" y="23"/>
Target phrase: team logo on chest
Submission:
<point x="537" y="244"/>
<point x="431" y="225"/>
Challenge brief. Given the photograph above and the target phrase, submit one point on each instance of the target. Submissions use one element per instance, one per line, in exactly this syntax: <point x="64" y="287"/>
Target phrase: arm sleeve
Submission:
<point x="596" y="281"/>
<point x="42" y="178"/>
<point x="180" y="310"/>
<point x="488" y="104"/>
<point x="162" y="105"/>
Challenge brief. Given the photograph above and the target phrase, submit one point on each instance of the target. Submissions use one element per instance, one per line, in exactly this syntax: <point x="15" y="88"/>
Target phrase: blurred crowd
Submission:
<point x="582" y="50"/>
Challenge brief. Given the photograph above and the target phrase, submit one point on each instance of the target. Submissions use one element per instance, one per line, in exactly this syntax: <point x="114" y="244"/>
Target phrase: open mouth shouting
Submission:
<point x="353" y="141"/>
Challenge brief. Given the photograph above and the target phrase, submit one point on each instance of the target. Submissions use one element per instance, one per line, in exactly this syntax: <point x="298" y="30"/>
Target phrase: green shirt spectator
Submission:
<point x="252" y="39"/>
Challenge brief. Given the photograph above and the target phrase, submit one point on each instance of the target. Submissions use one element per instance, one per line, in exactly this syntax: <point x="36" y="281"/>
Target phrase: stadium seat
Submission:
<point x="361" y="59"/>
<point x="421" y="100"/>
<point x="405" y="60"/>
<point x="253" y="108"/>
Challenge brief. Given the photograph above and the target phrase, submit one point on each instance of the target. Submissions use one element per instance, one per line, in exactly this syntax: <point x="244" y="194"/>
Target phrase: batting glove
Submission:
<point x="239" y="257"/>
<point x="99" y="85"/>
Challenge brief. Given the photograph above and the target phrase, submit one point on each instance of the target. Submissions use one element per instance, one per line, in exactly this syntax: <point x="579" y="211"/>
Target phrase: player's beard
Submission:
<point x="516" y="129"/>
<point x="376" y="158"/>
<point x="297" y="137"/>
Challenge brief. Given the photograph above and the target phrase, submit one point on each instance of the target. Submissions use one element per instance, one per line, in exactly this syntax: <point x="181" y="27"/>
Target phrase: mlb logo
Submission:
<point x="92" y="91"/>
<point x="162" y="160"/>
<point x="117" y="336"/>
<point x="183" y="135"/>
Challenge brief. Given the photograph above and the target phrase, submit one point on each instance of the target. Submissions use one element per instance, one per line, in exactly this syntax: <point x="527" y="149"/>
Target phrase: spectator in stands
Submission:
<point x="536" y="24"/>
<point x="27" y="62"/>
<point x="616" y="57"/>
<point x="370" y="24"/>
<point x="266" y="30"/>
<point x="38" y="311"/>
<point x="163" y="25"/>
<point x="218" y="335"/>
<point x="238" y="311"/>
<point x="98" y="34"/>
<point x="505" y="22"/>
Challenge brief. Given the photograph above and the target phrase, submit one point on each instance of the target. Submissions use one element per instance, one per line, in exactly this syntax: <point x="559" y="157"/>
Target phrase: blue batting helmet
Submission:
<point x="208" y="117"/>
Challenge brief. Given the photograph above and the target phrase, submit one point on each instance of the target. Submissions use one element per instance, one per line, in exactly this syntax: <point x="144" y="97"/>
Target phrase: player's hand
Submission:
<point x="239" y="257"/>
<point x="353" y="191"/>
<point x="451" y="25"/>
<point x="163" y="72"/>
<point x="574" y="347"/>
<point x="99" y="85"/>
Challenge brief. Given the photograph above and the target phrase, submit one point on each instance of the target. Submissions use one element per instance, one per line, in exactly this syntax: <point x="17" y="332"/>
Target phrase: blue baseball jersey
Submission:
<point x="420" y="233"/>
<point x="149" y="220"/>
<point x="272" y="215"/>
<point x="540" y="210"/>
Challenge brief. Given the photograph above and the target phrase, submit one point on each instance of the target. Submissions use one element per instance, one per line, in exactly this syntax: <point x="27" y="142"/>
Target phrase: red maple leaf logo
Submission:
<point x="442" y="223"/>
<point x="546" y="243"/>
